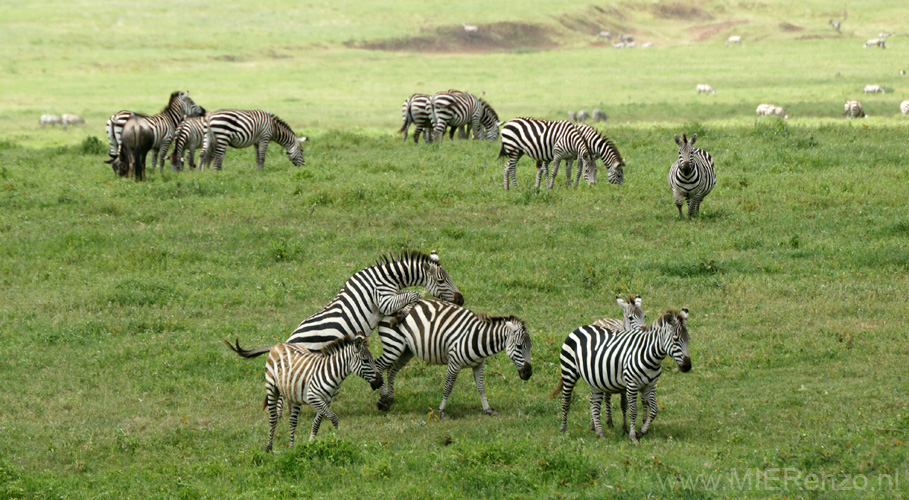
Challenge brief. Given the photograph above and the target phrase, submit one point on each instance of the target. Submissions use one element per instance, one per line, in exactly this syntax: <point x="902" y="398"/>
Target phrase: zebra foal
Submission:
<point x="446" y="334"/>
<point x="692" y="176"/>
<point x="187" y="138"/>
<point x="546" y="142"/>
<point x="242" y="128"/>
<point x="296" y="376"/>
<point x="627" y="361"/>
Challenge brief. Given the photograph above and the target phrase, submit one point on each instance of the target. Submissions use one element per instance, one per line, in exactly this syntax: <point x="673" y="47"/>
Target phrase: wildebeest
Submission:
<point x="137" y="139"/>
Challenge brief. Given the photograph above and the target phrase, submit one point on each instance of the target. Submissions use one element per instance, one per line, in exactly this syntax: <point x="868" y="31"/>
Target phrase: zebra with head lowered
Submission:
<point x="446" y="334"/>
<point x="242" y="128"/>
<point x="455" y="109"/>
<point x="692" y="176"/>
<point x="628" y="361"/>
<point x="633" y="317"/>
<point x="163" y="124"/>
<point x="371" y="294"/>
<point x="50" y="120"/>
<point x="416" y="111"/>
<point x="600" y="147"/>
<point x="67" y="119"/>
<point x="296" y="376"/>
<point x="546" y="142"/>
<point x="187" y="139"/>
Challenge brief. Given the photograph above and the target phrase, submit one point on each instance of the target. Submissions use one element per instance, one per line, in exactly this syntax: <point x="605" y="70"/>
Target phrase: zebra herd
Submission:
<point x="433" y="114"/>
<point x="613" y="356"/>
<point x="63" y="120"/>
<point x="188" y="126"/>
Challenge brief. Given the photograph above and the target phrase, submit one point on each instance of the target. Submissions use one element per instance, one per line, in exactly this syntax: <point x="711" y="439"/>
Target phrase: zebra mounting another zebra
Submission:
<point x="692" y="176"/>
<point x="369" y="295"/>
<point x="546" y="142"/>
<point x="188" y="137"/>
<point x="440" y="333"/>
<point x="296" y="376"/>
<point x="629" y="361"/>
<point x="854" y="109"/>
<point x="242" y="128"/>
<point x="163" y="125"/>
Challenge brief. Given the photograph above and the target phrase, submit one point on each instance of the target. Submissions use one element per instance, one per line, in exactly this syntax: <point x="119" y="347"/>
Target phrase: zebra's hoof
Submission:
<point x="609" y="423"/>
<point x="491" y="412"/>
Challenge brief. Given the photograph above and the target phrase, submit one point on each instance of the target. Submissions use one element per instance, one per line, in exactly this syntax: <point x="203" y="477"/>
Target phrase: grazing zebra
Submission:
<point x="445" y="334"/>
<point x="67" y="119"/>
<point x="296" y="376"/>
<point x="241" y="128"/>
<point x="874" y="89"/>
<point x="836" y="25"/>
<point x="692" y="176"/>
<point x="187" y="138"/>
<point x="904" y="107"/>
<point x="854" y="109"/>
<point x="372" y="293"/>
<point x="582" y="116"/>
<point x="733" y="40"/>
<point x="164" y="124"/>
<point x="627" y="361"/>
<point x="600" y="147"/>
<point x="455" y="109"/>
<point x="416" y="111"/>
<point x="633" y="316"/>
<point x="706" y="89"/>
<point x="544" y="141"/>
<point x="50" y="120"/>
<point x="599" y="115"/>
<point x="876" y="42"/>
<point x="771" y="109"/>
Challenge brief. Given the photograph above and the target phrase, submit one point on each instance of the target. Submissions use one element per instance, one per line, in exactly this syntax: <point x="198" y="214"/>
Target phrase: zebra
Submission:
<point x="544" y="141"/>
<point x="876" y="42"/>
<point x="836" y="25"/>
<point x="692" y="176"/>
<point x="416" y="111"/>
<point x="69" y="119"/>
<point x="771" y="109"/>
<point x="600" y="147"/>
<point x="440" y="333"/>
<point x="187" y="138"/>
<point x="705" y="88"/>
<point x="904" y="107"/>
<point x="854" y="109"/>
<point x="582" y="116"/>
<point x="599" y="115"/>
<point x="633" y="316"/>
<point x="296" y="376"/>
<point x="372" y="293"/>
<point x="179" y="106"/>
<point x="241" y="128"/>
<point x="874" y="89"/>
<point x="50" y="120"/>
<point x="628" y="361"/>
<point x="454" y="109"/>
<point x="734" y="39"/>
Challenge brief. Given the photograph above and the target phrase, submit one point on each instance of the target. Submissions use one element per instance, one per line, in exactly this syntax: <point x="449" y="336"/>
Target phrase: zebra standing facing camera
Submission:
<point x="691" y="177"/>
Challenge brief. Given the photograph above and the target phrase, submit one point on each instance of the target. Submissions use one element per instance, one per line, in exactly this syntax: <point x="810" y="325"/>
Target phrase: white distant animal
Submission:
<point x="876" y="42"/>
<point x="885" y="35"/>
<point x="604" y="34"/>
<point x="734" y="39"/>
<point x="470" y="29"/>
<point x="902" y="72"/>
<point x="50" y="120"/>
<point x="630" y="45"/>
<point x="771" y="110"/>
<point x="706" y="89"/>
<point x="620" y="45"/>
<point x="68" y="119"/>
<point x="571" y="116"/>
<point x="646" y="45"/>
<point x="874" y="89"/>
<point x="583" y="116"/>
<point x="599" y="115"/>
<point x="853" y="109"/>
<point x="835" y="24"/>
<point x="904" y="107"/>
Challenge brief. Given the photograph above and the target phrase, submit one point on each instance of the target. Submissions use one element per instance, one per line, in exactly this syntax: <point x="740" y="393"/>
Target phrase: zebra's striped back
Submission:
<point x="692" y="176"/>
<point x="904" y="107"/>
<point x="854" y="109"/>
<point x="189" y="136"/>
<point x="544" y="141"/>
<point x="241" y="128"/>
<point x="603" y="148"/>
<point x="375" y="292"/>
<point x="632" y="315"/>
<point x="455" y="109"/>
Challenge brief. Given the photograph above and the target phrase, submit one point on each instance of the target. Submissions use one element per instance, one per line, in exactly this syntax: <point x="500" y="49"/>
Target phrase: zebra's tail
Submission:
<point x="501" y="150"/>
<point x="252" y="353"/>
<point x="558" y="390"/>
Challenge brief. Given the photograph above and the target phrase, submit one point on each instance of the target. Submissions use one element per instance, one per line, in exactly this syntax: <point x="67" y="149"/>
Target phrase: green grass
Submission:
<point x="115" y="295"/>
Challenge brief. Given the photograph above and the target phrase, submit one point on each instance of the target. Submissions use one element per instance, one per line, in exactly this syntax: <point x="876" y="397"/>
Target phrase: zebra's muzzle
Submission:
<point x="458" y="299"/>
<point x="685" y="365"/>
<point x="377" y="383"/>
<point x="525" y="371"/>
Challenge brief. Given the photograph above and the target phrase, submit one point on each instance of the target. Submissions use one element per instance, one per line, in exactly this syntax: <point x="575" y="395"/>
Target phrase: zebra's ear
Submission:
<point x="433" y="256"/>
<point x="694" y="137"/>
<point x="638" y="301"/>
<point x="678" y="140"/>
<point x="512" y="326"/>
<point x="683" y="314"/>
<point x="620" y="301"/>
<point x="303" y="138"/>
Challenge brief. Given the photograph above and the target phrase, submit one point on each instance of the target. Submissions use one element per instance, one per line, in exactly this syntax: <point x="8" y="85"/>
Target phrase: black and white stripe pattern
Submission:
<point x="691" y="177"/>
<point x="188" y="137"/>
<point x="628" y="361"/>
<point x="904" y="107"/>
<point x="456" y="109"/>
<point x="164" y="124"/>
<point x="633" y="317"/>
<point x="296" y="376"/>
<point x="546" y="142"/>
<point x="854" y="109"/>
<point x="600" y="147"/>
<point x="416" y="111"/>
<point x="446" y="334"/>
<point x="241" y="128"/>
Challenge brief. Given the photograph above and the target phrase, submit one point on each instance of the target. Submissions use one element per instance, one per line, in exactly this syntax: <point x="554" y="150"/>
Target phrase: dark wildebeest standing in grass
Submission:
<point x="137" y="139"/>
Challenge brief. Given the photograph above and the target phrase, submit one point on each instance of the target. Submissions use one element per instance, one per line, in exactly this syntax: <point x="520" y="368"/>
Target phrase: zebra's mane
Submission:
<point x="405" y="255"/>
<point x="173" y="97"/>
<point x="668" y="317"/>
<point x="282" y="123"/>
<point x="337" y="345"/>
<point x="499" y="319"/>
<point x="488" y="108"/>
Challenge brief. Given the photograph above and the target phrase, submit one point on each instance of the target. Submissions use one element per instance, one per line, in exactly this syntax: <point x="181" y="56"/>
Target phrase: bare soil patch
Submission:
<point x="492" y="37"/>
<point x="678" y="10"/>
<point x="789" y="28"/>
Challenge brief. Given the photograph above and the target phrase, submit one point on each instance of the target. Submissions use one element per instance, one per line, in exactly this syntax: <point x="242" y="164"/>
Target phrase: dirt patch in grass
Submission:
<point x="493" y="37"/>
<point x="704" y="32"/>
<point x="678" y="10"/>
<point x="789" y="28"/>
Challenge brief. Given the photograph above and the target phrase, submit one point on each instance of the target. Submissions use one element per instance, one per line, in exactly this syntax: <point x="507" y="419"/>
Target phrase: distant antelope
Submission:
<point x="836" y="25"/>
<point x="734" y="39"/>
<point x="771" y="110"/>
<point x="879" y="42"/>
<point x="874" y="89"/>
<point x="706" y="89"/>
<point x="470" y="29"/>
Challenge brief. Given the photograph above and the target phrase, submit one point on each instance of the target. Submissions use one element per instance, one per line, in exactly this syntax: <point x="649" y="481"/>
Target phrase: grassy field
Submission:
<point x="115" y="295"/>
